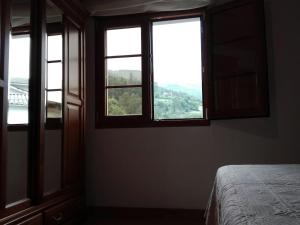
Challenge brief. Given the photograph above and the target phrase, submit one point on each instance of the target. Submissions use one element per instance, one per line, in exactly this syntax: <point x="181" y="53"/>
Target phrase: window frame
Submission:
<point x="145" y="22"/>
<point x="23" y="30"/>
<point x="54" y="123"/>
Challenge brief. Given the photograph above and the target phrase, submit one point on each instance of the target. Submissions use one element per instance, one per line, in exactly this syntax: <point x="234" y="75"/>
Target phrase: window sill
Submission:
<point x="144" y="124"/>
<point x="52" y="124"/>
<point x="17" y="127"/>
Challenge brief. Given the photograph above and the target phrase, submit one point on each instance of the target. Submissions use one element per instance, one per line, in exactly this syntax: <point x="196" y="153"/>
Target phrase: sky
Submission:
<point x="19" y="56"/>
<point x="176" y="51"/>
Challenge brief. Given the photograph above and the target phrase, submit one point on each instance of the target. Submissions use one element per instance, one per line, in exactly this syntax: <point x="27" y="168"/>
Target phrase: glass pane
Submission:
<point x="18" y="78"/>
<point x="54" y="76"/>
<point x="18" y="96"/>
<point x="124" y="101"/>
<point x="16" y="166"/>
<point x="177" y="69"/>
<point x="54" y="104"/>
<point x="54" y="47"/>
<point x="125" y="41"/>
<point x="124" y="71"/>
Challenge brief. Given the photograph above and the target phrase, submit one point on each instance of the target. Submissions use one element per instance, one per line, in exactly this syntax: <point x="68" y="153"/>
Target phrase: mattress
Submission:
<point x="255" y="195"/>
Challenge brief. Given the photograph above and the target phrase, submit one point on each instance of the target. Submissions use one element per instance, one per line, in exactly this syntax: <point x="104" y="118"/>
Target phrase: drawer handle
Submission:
<point x="58" y="218"/>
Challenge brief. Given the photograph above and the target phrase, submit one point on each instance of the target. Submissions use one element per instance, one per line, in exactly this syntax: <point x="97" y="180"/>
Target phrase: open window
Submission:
<point x="177" y="69"/>
<point x="150" y="71"/>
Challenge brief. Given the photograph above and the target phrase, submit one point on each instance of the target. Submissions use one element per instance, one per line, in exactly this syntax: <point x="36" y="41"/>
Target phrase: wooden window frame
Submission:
<point x="145" y="22"/>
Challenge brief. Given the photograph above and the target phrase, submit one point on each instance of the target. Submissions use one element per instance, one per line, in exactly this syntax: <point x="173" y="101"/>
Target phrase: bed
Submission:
<point x="255" y="195"/>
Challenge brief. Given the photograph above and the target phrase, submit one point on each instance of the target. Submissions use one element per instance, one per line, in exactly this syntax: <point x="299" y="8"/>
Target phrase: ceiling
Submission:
<point x="123" y="7"/>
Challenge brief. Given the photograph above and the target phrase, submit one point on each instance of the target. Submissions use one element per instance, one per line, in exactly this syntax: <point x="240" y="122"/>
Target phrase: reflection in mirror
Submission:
<point x="18" y="94"/>
<point x="54" y="100"/>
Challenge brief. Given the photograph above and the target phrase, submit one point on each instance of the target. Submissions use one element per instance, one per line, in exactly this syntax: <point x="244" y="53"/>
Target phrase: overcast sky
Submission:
<point x="176" y="50"/>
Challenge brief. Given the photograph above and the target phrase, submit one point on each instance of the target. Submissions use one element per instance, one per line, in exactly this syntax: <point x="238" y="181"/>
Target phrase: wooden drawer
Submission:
<point x="63" y="213"/>
<point x="35" y="220"/>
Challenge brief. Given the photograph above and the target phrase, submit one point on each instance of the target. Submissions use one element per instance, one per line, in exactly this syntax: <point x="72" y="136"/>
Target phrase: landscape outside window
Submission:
<point x="123" y="72"/>
<point x="177" y="69"/>
<point x="18" y="78"/>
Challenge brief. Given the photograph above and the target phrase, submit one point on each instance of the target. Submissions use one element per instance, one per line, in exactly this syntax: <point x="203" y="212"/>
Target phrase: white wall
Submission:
<point x="175" y="167"/>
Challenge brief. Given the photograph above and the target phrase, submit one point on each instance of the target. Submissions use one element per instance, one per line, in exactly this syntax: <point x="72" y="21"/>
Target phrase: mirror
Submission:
<point x="18" y="95"/>
<point x="53" y="100"/>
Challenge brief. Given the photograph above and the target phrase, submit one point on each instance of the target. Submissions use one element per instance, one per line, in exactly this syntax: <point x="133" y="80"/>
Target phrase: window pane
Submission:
<point x="55" y="47"/>
<point x="124" y="101"/>
<point x="18" y="77"/>
<point x="54" y="104"/>
<point x="54" y="76"/>
<point x="177" y="69"/>
<point x="124" y="71"/>
<point x="123" y="41"/>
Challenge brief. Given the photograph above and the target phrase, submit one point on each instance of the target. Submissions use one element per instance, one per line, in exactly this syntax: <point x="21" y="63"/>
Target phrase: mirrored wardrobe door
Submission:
<point x="18" y="98"/>
<point x="4" y="15"/>
<point x="53" y="100"/>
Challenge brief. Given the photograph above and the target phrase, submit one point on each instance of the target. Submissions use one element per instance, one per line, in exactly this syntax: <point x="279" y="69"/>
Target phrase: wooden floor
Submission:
<point x="144" y="221"/>
<point x="137" y="216"/>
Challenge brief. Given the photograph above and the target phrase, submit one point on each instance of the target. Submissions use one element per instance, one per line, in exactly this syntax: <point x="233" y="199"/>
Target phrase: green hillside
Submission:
<point x="169" y="102"/>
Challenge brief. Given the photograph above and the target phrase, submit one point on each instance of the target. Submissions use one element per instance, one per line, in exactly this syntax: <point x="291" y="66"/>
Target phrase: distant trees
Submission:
<point x="168" y="104"/>
<point x="172" y="104"/>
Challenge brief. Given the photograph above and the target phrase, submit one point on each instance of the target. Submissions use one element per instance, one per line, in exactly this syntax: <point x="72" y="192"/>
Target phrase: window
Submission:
<point x="53" y="81"/>
<point x="123" y="61"/>
<point x="18" y="78"/>
<point x="177" y="69"/>
<point x="161" y="69"/>
<point x="149" y="71"/>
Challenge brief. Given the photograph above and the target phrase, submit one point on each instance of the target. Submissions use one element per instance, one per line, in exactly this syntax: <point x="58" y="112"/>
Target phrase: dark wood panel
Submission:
<point x="73" y="106"/>
<point x="235" y="58"/>
<point x="63" y="213"/>
<point x="2" y="154"/>
<point x="73" y="147"/>
<point x="234" y="23"/>
<point x="236" y="93"/>
<point x="74" y="81"/>
<point x="238" y="84"/>
<point x="36" y="220"/>
<point x="4" y="43"/>
<point x="36" y="106"/>
<point x="73" y="10"/>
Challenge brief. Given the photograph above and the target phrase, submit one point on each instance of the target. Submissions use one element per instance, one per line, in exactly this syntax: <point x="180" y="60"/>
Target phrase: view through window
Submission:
<point x="151" y="71"/>
<point x="53" y="85"/>
<point x="123" y="72"/>
<point x="18" y="78"/>
<point x="177" y="69"/>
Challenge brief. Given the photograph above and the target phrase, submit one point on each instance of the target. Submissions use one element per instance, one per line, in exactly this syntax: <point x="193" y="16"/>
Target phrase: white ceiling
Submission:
<point x="123" y="7"/>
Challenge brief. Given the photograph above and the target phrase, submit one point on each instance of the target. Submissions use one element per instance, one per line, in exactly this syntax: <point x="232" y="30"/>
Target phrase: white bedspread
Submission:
<point x="255" y="195"/>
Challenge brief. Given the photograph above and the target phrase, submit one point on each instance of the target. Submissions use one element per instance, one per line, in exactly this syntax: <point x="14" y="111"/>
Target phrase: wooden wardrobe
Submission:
<point x="42" y="111"/>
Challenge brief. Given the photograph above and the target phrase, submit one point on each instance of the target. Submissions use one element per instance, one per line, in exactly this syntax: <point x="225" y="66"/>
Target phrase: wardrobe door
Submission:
<point x="3" y="96"/>
<point x="17" y="98"/>
<point x="73" y="108"/>
<point x="53" y="100"/>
